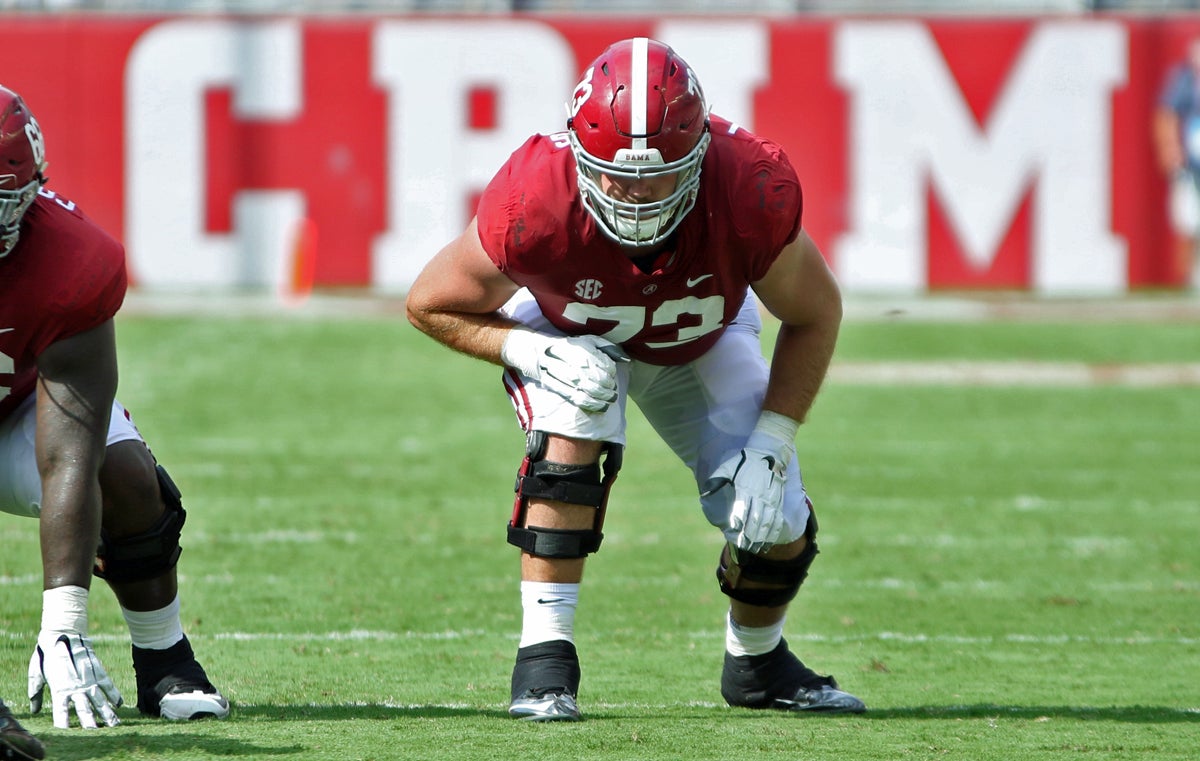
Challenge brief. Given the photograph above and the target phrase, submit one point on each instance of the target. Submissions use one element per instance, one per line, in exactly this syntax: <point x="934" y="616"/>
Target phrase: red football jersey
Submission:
<point x="533" y="225"/>
<point x="65" y="276"/>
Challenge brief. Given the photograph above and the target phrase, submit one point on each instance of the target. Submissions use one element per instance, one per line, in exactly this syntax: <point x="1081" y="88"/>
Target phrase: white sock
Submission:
<point x="155" y="629"/>
<point x="549" y="612"/>
<point x="751" y="640"/>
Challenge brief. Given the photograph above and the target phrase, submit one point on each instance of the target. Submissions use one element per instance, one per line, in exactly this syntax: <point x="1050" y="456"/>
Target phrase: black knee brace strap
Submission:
<point x="150" y="553"/>
<point x="561" y="482"/>
<point x="785" y="576"/>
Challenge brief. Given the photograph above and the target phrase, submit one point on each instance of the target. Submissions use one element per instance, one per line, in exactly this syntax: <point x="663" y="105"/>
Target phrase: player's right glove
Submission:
<point x="581" y="369"/>
<point x="65" y="662"/>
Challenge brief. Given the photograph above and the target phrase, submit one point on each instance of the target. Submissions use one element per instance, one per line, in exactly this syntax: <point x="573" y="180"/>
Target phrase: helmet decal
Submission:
<point x="36" y="144"/>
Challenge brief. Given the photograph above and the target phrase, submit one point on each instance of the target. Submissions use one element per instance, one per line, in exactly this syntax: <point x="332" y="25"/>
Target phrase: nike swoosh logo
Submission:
<point x="7" y="330"/>
<point x="551" y="600"/>
<point x="696" y="280"/>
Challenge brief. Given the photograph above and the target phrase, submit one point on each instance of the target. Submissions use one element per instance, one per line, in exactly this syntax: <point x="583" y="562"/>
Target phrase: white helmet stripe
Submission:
<point x="639" y="66"/>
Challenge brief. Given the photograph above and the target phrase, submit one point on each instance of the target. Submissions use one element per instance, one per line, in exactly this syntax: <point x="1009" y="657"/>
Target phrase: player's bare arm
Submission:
<point x="77" y="380"/>
<point x="455" y="301"/>
<point x="456" y="297"/>
<point x="800" y="290"/>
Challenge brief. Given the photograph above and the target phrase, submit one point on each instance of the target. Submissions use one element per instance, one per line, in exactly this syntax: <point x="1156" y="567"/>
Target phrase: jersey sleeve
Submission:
<point x="524" y="214"/>
<point x="493" y="213"/>
<point x="90" y="297"/>
<point x="776" y="208"/>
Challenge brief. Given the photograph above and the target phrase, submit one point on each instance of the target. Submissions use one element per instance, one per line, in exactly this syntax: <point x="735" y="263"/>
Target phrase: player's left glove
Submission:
<point x="757" y="475"/>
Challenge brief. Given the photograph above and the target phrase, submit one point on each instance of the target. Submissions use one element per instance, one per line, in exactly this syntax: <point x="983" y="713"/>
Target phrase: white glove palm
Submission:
<point x="581" y="369"/>
<point x="757" y="475"/>
<point x="66" y="663"/>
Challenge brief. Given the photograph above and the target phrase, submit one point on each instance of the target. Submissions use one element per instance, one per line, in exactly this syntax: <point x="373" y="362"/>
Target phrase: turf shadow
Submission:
<point x="1135" y="714"/>
<point x="365" y="712"/>
<point x="78" y="745"/>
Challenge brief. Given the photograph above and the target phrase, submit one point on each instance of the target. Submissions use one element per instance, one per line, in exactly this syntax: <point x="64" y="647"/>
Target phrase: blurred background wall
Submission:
<point x="254" y="144"/>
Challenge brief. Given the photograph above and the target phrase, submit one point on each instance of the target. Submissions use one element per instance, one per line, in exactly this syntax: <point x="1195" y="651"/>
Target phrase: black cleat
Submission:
<point x="545" y="681"/>
<point x="173" y="685"/>
<point x="16" y="744"/>
<point x="780" y="681"/>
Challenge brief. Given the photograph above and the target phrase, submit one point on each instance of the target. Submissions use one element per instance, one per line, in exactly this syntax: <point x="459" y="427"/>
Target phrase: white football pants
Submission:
<point x="703" y="410"/>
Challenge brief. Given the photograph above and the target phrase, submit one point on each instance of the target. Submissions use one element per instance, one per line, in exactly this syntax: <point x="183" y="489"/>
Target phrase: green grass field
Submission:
<point x="1008" y="571"/>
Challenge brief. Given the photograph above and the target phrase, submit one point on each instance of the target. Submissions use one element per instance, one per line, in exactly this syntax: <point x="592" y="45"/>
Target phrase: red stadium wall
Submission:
<point x="935" y="153"/>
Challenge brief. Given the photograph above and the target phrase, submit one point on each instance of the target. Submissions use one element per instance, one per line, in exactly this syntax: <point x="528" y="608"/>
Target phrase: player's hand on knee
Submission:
<point x="581" y="369"/>
<point x="756" y="475"/>
<point x="66" y="664"/>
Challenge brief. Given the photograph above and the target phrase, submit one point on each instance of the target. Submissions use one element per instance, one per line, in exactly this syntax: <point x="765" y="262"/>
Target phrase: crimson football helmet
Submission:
<point x="638" y="113"/>
<point x="22" y="160"/>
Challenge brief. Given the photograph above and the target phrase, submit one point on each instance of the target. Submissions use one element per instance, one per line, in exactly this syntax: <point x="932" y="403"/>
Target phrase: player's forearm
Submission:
<point x="70" y="529"/>
<point x="798" y="367"/>
<point x="476" y="335"/>
<point x="74" y="401"/>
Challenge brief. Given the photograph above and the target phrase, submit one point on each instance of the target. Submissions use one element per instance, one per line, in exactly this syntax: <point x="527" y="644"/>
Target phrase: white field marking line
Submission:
<point x="716" y="633"/>
<point x="20" y="581"/>
<point x="279" y="536"/>
<point x="1017" y="373"/>
<point x="1005" y="588"/>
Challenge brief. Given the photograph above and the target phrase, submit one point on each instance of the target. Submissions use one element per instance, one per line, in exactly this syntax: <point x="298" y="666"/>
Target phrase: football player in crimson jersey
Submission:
<point x="71" y="456"/>
<point x="615" y="261"/>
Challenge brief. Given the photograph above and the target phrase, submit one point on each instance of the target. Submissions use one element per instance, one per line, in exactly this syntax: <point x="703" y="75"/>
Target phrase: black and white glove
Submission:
<point x="581" y="369"/>
<point x="65" y="662"/>
<point x="757" y="475"/>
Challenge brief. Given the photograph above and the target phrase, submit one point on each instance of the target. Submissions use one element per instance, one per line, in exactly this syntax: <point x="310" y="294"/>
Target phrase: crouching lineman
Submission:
<point x="614" y="261"/>
<point x="71" y="456"/>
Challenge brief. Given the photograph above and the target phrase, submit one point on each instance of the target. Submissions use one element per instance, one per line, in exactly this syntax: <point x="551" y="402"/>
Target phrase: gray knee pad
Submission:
<point x="781" y="577"/>
<point x="150" y="553"/>
<point x="562" y="482"/>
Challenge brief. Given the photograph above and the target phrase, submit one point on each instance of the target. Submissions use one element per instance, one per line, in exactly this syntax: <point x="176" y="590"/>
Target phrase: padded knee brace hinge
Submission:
<point x="561" y="482"/>
<point x="784" y="577"/>
<point x="150" y="553"/>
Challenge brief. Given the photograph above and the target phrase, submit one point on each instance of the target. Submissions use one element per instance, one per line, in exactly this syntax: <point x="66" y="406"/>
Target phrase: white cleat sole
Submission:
<point x="187" y="706"/>
<point x="546" y="708"/>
